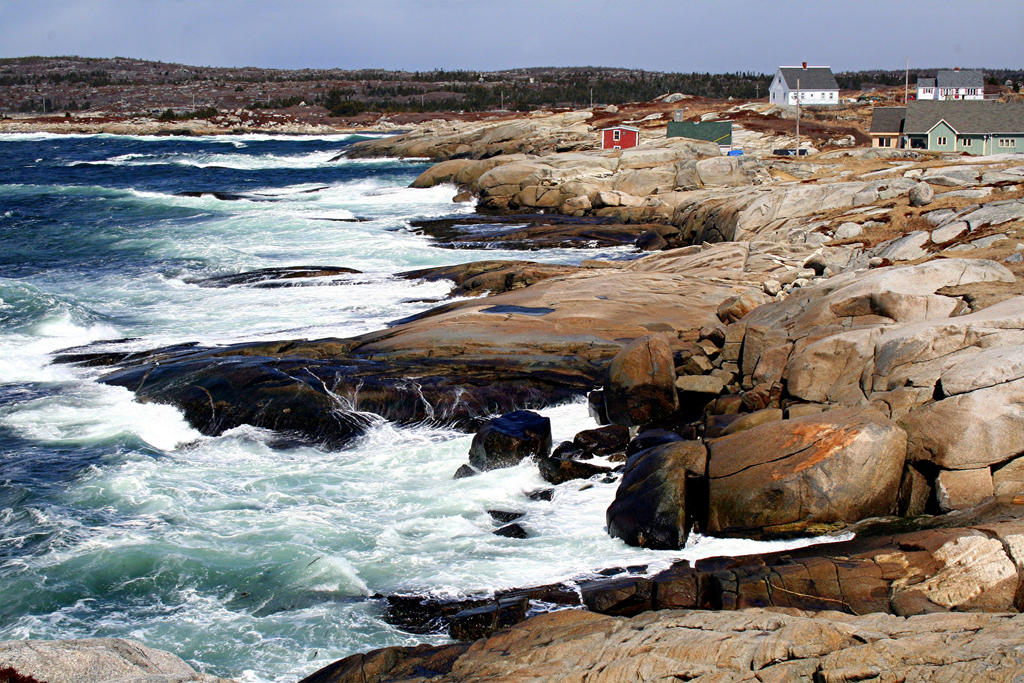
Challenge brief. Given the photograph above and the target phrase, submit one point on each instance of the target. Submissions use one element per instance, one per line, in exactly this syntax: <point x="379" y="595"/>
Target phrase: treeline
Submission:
<point x="861" y="80"/>
<point x="578" y="89"/>
<point x="51" y="104"/>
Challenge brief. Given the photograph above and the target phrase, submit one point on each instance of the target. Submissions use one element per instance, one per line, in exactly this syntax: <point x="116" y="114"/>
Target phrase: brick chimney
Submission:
<point x="805" y="65"/>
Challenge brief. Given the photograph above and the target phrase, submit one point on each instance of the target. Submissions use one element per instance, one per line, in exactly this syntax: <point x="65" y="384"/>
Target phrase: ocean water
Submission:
<point x="249" y="561"/>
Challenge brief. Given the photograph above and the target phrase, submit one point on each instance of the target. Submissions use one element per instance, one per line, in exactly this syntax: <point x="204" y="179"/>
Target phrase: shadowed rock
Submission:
<point x="641" y="383"/>
<point x="507" y="440"/>
<point x="529" y="231"/>
<point x="274" y="277"/>
<point x="560" y="470"/>
<point x="663" y="494"/>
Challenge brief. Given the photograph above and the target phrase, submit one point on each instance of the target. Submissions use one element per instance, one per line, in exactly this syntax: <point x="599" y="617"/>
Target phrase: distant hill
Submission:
<point x="124" y="85"/>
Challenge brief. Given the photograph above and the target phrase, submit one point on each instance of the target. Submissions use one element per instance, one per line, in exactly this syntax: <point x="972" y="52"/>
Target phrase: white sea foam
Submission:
<point x="88" y="413"/>
<point x="209" y="139"/>
<point x="242" y="162"/>
<point x="25" y="356"/>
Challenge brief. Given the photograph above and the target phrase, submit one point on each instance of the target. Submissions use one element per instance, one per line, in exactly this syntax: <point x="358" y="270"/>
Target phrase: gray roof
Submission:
<point x="887" y="119"/>
<point x="811" y="78"/>
<point x="966" y="117"/>
<point x="925" y="82"/>
<point x="964" y="78"/>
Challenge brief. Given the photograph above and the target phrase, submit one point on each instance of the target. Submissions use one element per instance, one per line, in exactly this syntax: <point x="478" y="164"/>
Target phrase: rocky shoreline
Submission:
<point x="811" y="346"/>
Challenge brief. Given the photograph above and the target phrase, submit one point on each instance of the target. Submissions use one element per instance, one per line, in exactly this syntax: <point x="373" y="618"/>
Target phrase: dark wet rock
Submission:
<point x="511" y="531"/>
<point x="650" y="438"/>
<point x="622" y="596"/>
<point x="567" y="450"/>
<point x="424" y="614"/>
<point x="274" y="277"/>
<point x="558" y="470"/>
<point x="464" y="471"/>
<point x="505" y="516"/>
<point x="507" y="440"/>
<point x="650" y="241"/>
<point x="482" y="621"/>
<point x="602" y="441"/>
<point x="223" y="196"/>
<point x="490" y="277"/>
<point x="318" y="391"/>
<point x="89" y="357"/>
<point x="428" y="614"/>
<point x="663" y="494"/>
<point x="219" y="396"/>
<point x="528" y="231"/>
<point x="541" y="494"/>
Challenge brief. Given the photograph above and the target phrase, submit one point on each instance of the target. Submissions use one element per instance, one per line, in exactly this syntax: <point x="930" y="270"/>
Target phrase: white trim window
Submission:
<point x="616" y="135"/>
<point x="965" y="142"/>
<point x="940" y="140"/>
<point x="1007" y="142"/>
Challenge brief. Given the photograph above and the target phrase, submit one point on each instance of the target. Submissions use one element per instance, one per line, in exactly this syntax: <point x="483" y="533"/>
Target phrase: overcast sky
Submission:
<point x="670" y="35"/>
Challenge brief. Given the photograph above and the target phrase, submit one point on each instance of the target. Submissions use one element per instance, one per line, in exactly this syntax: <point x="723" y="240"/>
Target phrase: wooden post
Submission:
<point x="798" y="118"/>
<point x="906" y="84"/>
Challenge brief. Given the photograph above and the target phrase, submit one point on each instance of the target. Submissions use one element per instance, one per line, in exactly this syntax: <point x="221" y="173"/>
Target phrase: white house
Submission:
<point x="816" y="84"/>
<point x="955" y="84"/>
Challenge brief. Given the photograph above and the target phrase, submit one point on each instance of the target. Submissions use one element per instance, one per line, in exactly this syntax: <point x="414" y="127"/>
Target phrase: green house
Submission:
<point x="973" y="127"/>
<point x="719" y="132"/>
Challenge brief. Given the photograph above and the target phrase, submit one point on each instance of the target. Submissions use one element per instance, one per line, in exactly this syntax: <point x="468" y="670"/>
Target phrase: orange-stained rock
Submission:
<point x="838" y="466"/>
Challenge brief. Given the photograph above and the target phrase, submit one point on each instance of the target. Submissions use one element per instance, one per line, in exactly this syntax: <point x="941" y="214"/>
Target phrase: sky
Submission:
<point x="420" y="35"/>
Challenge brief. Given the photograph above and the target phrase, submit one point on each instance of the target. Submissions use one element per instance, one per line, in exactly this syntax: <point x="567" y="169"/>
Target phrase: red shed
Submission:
<point x="619" y="137"/>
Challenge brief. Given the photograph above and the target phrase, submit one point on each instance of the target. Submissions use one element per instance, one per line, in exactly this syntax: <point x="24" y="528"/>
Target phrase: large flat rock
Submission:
<point x="753" y="644"/>
<point x="839" y="466"/>
<point x="110" y="660"/>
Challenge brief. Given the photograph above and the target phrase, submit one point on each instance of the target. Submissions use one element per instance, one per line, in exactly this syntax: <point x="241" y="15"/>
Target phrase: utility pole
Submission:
<point x="591" y="98"/>
<point x="906" y="83"/>
<point x="798" y="118"/>
<point x="503" y="100"/>
<point x="757" y="91"/>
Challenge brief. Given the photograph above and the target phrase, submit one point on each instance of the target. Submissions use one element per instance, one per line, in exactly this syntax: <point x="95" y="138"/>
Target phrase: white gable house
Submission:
<point x="816" y="84"/>
<point x="955" y="84"/>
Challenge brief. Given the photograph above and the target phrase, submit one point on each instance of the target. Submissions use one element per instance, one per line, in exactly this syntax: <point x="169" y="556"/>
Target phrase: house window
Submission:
<point x="1007" y="142"/>
<point x="616" y="135"/>
<point x="941" y="140"/>
<point x="965" y="142"/>
<point x="885" y="142"/>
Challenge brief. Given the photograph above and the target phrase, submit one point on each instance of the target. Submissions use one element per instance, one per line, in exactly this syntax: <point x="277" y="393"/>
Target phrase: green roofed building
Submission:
<point x="719" y="132"/>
